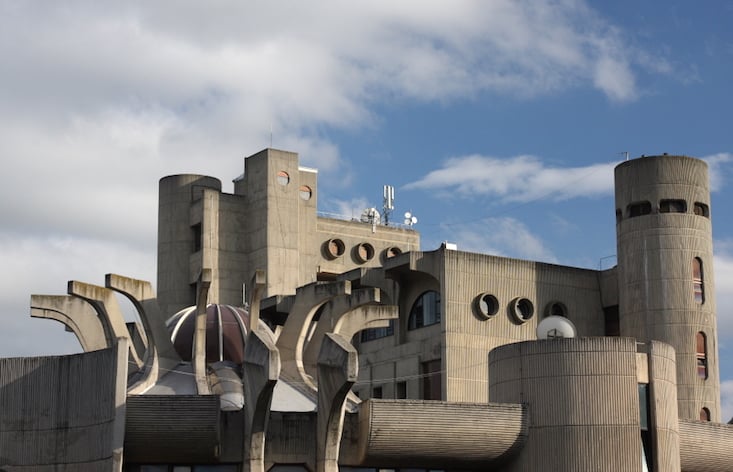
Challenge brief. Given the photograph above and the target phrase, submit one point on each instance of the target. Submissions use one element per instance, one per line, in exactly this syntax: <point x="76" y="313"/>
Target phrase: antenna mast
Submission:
<point x="388" y="202"/>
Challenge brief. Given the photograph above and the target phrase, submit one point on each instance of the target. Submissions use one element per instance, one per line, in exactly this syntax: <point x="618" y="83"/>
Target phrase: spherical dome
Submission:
<point x="226" y="331"/>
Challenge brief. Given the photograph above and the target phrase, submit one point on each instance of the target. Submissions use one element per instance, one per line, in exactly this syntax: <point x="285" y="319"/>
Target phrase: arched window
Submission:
<point x="697" y="280"/>
<point x="704" y="414"/>
<point x="701" y="352"/>
<point x="425" y="311"/>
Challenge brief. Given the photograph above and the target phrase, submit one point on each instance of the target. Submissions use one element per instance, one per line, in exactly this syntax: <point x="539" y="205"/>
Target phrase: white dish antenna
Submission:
<point x="556" y="327"/>
<point x="370" y="215"/>
<point x="410" y="219"/>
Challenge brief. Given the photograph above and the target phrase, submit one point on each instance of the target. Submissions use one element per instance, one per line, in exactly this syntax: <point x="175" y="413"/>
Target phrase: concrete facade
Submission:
<point x="361" y="350"/>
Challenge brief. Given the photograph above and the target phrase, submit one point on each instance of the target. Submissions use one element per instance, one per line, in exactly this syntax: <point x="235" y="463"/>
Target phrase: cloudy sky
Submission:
<point x="498" y="122"/>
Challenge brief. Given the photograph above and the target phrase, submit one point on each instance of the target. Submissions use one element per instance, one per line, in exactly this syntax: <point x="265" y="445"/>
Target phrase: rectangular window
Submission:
<point x="400" y="390"/>
<point x="431" y="380"/>
<point x="377" y="392"/>
<point x="612" y="326"/>
<point x="197" y="237"/>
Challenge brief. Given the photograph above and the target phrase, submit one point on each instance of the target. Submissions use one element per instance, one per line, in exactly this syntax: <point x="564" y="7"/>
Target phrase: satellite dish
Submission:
<point x="556" y="327"/>
<point x="410" y="219"/>
<point x="370" y="215"/>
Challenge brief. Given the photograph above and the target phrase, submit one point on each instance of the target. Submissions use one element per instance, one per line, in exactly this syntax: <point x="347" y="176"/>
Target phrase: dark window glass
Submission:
<point x="639" y="209"/>
<point x="400" y="390"/>
<point x="431" y="380"/>
<point x="612" y="326"/>
<point x="425" y="311"/>
<point x="702" y="209"/>
<point x="377" y="333"/>
<point x="672" y="206"/>
<point x="197" y="237"/>
<point x="377" y="392"/>
<point x="701" y="342"/>
<point x="697" y="280"/>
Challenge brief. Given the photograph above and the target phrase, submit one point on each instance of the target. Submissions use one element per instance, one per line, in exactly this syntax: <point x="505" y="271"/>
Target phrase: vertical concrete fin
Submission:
<point x="199" y="349"/>
<point x="161" y="354"/>
<point x="261" y="371"/>
<point x="338" y="368"/>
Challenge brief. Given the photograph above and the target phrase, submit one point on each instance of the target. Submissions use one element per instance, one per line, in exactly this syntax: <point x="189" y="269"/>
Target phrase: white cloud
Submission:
<point x="518" y="179"/>
<point x="98" y="100"/>
<point x="726" y="401"/>
<point x="718" y="168"/>
<point x="44" y="265"/>
<point x="723" y="266"/>
<point x="499" y="236"/>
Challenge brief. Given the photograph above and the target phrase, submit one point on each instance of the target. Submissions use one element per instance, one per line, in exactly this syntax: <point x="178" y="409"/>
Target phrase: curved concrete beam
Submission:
<point x="78" y="316"/>
<point x="402" y="433"/>
<point x="308" y="299"/>
<point x="338" y="368"/>
<point x="352" y="311"/>
<point x="161" y="353"/>
<point x="199" y="336"/>
<point x="108" y="310"/>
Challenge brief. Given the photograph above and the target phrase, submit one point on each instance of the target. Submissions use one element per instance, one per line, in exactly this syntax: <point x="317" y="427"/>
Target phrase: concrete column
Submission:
<point x="338" y="367"/>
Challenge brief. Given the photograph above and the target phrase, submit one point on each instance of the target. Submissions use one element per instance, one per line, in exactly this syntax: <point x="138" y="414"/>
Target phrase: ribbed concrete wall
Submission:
<point x="172" y="428"/>
<point x="655" y="257"/>
<point x="432" y="434"/>
<point x="469" y="337"/>
<point x="706" y="447"/>
<point x="58" y="413"/>
<point x="663" y="405"/>
<point x="583" y="402"/>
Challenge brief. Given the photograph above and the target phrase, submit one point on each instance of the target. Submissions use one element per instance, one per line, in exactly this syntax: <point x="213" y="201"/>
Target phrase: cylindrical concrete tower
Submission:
<point x="179" y="236"/>
<point x="665" y="270"/>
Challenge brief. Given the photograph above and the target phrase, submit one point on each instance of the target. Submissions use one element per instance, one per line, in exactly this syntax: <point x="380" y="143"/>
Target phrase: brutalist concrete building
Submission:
<point x="282" y="339"/>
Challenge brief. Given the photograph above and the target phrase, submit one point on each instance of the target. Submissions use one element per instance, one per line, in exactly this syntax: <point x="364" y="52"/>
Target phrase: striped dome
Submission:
<point x="225" y="332"/>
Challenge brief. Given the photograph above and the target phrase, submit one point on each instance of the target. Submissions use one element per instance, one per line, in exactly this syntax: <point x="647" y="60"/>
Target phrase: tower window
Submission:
<point x="639" y="209"/>
<point x="425" y="311"/>
<point x="672" y="206"/>
<point x="704" y="414"/>
<point x="701" y="209"/>
<point x="698" y="281"/>
<point x="702" y="355"/>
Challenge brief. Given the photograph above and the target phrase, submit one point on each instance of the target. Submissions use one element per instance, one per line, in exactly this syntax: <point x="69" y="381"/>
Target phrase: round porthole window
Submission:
<point x="283" y="178"/>
<point x="334" y="248"/>
<point x="486" y="305"/>
<point x="305" y="192"/>
<point x="556" y="308"/>
<point x="521" y="309"/>
<point x="392" y="252"/>
<point x="364" y="252"/>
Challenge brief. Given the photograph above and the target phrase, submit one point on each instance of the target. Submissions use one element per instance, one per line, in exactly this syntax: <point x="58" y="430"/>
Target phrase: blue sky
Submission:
<point x="498" y="122"/>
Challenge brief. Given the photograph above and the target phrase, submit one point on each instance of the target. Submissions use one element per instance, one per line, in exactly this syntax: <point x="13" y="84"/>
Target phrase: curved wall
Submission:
<point x="583" y="400"/>
<point x="62" y="413"/>
<point x="663" y="225"/>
